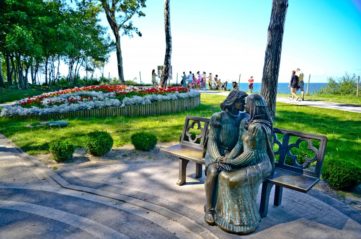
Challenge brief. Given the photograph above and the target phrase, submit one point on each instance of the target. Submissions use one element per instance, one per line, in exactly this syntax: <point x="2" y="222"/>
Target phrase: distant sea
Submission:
<point x="282" y="87"/>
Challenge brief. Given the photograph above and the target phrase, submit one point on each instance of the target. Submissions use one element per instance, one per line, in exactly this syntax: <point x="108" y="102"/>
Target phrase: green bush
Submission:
<point x="341" y="174"/>
<point x="99" y="143"/>
<point x="61" y="150"/>
<point x="346" y="85"/>
<point x="144" y="141"/>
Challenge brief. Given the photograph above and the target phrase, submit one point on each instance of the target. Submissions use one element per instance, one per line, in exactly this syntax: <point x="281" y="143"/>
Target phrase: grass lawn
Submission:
<point x="8" y="95"/>
<point x="343" y="129"/>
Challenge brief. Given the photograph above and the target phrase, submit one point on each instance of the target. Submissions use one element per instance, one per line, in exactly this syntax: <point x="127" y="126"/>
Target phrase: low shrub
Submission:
<point x="144" y="141"/>
<point x="341" y="174"/>
<point x="61" y="150"/>
<point x="346" y="85"/>
<point x="99" y="143"/>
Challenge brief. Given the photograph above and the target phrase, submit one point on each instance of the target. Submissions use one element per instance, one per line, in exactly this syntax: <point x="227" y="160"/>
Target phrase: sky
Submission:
<point x="229" y="37"/>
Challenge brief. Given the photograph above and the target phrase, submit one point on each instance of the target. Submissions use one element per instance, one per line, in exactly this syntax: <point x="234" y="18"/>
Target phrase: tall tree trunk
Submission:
<point x="51" y="70"/>
<point x="1" y="74"/>
<point x="167" y="71"/>
<point x="111" y="18"/>
<point x="34" y="72"/>
<point x="273" y="53"/>
<point x="119" y="56"/>
<point x="8" y="69"/>
<point x="26" y="73"/>
<point x="19" y="72"/>
<point x="46" y="70"/>
<point x="58" y="70"/>
<point x="14" y="70"/>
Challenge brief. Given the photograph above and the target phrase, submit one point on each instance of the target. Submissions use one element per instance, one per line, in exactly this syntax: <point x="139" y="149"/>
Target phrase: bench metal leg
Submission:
<point x="182" y="171"/>
<point x="266" y="190"/>
<point x="198" y="170"/>
<point x="278" y="195"/>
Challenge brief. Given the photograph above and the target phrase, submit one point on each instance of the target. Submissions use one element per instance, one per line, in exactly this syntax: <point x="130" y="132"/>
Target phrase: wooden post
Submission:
<point x="357" y="85"/>
<point x="308" y="85"/>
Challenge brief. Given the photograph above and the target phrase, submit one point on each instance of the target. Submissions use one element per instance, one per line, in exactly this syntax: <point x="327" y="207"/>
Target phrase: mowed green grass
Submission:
<point x="343" y="129"/>
<point x="343" y="99"/>
<point x="8" y="95"/>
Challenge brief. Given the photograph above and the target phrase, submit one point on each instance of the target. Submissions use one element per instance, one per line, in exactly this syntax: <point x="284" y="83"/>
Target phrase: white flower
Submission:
<point x="98" y="99"/>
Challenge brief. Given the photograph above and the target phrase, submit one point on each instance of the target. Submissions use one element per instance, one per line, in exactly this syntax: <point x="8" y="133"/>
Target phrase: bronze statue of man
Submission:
<point x="237" y="175"/>
<point x="223" y="136"/>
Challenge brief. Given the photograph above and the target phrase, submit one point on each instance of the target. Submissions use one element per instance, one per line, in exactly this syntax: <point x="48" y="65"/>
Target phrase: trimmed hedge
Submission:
<point x="144" y="141"/>
<point x="341" y="174"/>
<point x="61" y="150"/>
<point x="99" y="143"/>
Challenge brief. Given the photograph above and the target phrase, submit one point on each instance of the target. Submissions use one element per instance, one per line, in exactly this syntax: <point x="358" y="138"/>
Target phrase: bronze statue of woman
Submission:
<point x="236" y="207"/>
<point x="222" y="137"/>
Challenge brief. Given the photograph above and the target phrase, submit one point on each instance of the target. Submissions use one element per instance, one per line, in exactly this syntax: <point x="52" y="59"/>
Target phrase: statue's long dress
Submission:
<point x="236" y="208"/>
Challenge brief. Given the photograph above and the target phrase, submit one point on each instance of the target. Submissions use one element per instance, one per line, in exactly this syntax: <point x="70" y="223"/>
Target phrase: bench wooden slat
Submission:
<point x="292" y="180"/>
<point x="186" y="152"/>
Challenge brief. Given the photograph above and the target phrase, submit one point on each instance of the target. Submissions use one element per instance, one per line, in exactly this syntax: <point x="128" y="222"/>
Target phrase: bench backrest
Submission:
<point x="195" y="132"/>
<point x="295" y="151"/>
<point x="299" y="152"/>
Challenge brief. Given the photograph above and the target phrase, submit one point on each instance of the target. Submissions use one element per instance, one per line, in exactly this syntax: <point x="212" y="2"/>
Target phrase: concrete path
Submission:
<point x="139" y="199"/>
<point x="311" y="103"/>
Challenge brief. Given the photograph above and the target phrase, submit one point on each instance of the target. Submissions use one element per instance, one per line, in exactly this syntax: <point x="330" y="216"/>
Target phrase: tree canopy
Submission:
<point x="36" y="36"/>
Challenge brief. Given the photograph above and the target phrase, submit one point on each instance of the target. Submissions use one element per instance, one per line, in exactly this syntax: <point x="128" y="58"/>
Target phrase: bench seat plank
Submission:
<point x="293" y="180"/>
<point x="186" y="152"/>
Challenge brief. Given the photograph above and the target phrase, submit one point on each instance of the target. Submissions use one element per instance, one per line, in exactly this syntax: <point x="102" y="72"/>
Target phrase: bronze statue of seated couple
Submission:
<point x="239" y="157"/>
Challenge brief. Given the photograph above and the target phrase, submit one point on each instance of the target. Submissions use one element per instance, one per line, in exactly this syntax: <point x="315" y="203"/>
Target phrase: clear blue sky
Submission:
<point x="228" y="38"/>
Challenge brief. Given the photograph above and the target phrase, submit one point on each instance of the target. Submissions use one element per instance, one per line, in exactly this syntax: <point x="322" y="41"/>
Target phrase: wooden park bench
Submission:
<point x="299" y="158"/>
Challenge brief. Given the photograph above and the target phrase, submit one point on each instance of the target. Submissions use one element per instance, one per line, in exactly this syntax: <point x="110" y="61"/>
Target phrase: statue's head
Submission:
<point x="234" y="102"/>
<point x="257" y="108"/>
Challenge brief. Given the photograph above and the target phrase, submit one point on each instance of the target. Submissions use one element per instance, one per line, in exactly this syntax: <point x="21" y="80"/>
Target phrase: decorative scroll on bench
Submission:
<point x="299" y="158"/>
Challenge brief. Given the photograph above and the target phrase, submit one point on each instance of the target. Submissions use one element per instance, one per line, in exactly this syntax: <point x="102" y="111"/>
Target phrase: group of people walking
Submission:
<point x="296" y="84"/>
<point x="202" y="81"/>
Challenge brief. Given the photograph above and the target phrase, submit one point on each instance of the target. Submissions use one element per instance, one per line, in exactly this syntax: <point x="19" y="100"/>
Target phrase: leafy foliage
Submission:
<point x="36" y="35"/>
<point x="61" y="150"/>
<point x="119" y="14"/>
<point x="144" y="141"/>
<point x="346" y="85"/>
<point x="342" y="174"/>
<point x="99" y="143"/>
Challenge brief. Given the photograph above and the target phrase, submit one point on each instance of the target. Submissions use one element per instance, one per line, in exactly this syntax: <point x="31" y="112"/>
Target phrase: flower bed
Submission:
<point x="104" y="100"/>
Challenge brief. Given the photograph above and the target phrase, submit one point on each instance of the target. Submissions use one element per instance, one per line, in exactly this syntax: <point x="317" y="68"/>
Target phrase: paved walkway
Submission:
<point x="311" y="103"/>
<point x="139" y="199"/>
<point x="323" y="104"/>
